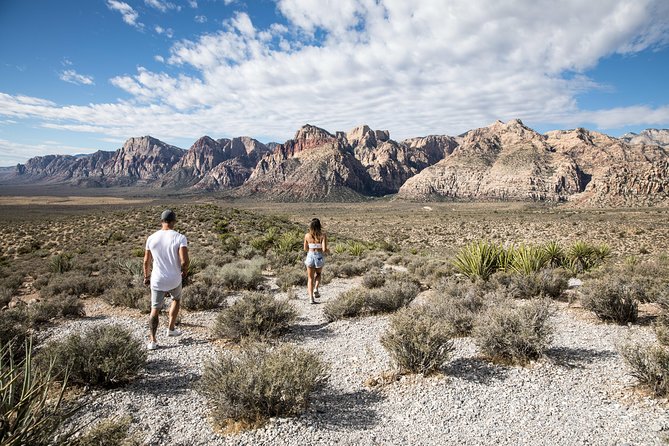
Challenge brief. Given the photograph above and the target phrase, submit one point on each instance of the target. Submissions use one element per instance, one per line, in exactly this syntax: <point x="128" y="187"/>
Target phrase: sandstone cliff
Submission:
<point x="657" y="137"/>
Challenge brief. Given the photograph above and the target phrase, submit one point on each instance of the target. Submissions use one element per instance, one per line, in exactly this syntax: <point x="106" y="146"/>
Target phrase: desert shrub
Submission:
<point x="29" y="410"/>
<point x="105" y="356"/>
<point x="14" y="328"/>
<point x="429" y="268"/>
<point x="514" y="334"/>
<point x="458" y="304"/>
<point x="53" y="308"/>
<point x="649" y="364"/>
<point x="230" y="243"/>
<point x="417" y="340"/>
<point x="199" y="296"/>
<point x="259" y="382"/>
<point x="11" y="281"/>
<point x="110" y="432"/>
<point x="60" y="263"/>
<point x="130" y="267"/>
<point x="550" y="282"/>
<point x="478" y="260"/>
<point x="348" y="269"/>
<point x="392" y="296"/>
<point x="289" y="242"/>
<point x="242" y="275"/>
<point x="612" y="299"/>
<point x="290" y="277"/>
<point x="348" y="304"/>
<point x="123" y="295"/>
<point x="340" y="248"/>
<point x="254" y="315"/>
<point x="374" y="279"/>
<point x="555" y="255"/>
<point x="74" y="284"/>
<point x="5" y="296"/>
<point x="662" y="321"/>
<point x="356" y="248"/>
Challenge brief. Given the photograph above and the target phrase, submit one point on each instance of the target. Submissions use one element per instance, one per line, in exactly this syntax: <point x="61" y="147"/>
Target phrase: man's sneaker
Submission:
<point x="174" y="332"/>
<point x="152" y="345"/>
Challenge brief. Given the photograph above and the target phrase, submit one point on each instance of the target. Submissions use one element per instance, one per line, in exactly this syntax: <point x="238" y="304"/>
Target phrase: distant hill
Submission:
<point x="503" y="161"/>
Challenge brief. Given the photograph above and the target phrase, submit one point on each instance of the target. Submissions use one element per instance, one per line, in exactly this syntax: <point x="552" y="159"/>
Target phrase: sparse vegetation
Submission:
<point x="104" y="356"/>
<point x="458" y="304"/>
<point x="110" y="432"/>
<point x="613" y="299"/>
<point x="254" y="315"/>
<point x="417" y="340"/>
<point x="649" y="364"/>
<point x="260" y="382"/>
<point x="514" y="334"/>
<point x="199" y="296"/>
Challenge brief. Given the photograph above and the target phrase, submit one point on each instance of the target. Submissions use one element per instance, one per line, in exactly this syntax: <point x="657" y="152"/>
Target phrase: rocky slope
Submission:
<point x="658" y="137"/>
<point x="513" y="162"/>
<point x="503" y="161"/>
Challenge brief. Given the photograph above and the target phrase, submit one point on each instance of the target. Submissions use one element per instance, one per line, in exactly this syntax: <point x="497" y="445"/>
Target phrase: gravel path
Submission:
<point x="578" y="394"/>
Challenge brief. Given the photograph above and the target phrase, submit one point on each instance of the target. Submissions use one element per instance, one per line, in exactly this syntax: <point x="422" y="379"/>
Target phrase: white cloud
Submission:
<point x="169" y="32"/>
<point x="159" y="58"/>
<point x="162" y="5"/>
<point x="129" y="15"/>
<point x="192" y="3"/>
<point x="414" y="67"/>
<point x="12" y="153"/>
<point x="73" y="77"/>
<point x="201" y="19"/>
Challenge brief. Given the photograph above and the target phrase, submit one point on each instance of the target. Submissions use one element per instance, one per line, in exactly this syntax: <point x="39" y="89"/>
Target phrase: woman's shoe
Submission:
<point x="317" y="295"/>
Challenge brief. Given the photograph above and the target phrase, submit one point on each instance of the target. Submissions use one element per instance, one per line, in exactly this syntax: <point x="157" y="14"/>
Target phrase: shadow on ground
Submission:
<point x="345" y="411"/>
<point x="164" y="378"/>
<point x="313" y="331"/>
<point x="577" y="357"/>
<point x="475" y="370"/>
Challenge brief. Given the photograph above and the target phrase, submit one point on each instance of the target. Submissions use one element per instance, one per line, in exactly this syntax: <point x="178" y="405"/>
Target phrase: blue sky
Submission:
<point x="81" y="75"/>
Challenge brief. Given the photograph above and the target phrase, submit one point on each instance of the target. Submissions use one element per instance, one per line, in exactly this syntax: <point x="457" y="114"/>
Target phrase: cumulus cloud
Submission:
<point x="12" y="152"/>
<point x="414" y="67"/>
<point x="73" y="77"/>
<point x="192" y="3"/>
<point x="130" y="16"/>
<point x="201" y="19"/>
<point x="169" y="32"/>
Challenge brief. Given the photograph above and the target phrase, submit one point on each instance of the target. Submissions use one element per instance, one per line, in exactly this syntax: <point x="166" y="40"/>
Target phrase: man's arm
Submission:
<point x="185" y="261"/>
<point x="148" y="259"/>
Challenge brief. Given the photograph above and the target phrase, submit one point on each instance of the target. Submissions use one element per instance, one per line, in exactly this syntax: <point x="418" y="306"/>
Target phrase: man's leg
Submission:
<point x="173" y="313"/>
<point x="153" y="323"/>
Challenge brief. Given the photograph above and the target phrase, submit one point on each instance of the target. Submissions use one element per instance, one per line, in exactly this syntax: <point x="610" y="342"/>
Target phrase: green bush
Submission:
<point x="555" y="255"/>
<point x="478" y="260"/>
<point x="612" y="299"/>
<point x="200" y="296"/>
<point x="5" y="296"/>
<point x="417" y="340"/>
<point x="104" y="356"/>
<point x="14" y="329"/>
<point x="356" y="249"/>
<point x="75" y="283"/>
<point x="514" y="334"/>
<point x="528" y="260"/>
<point x="254" y="315"/>
<point x="650" y="365"/>
<point x="582" y="257"/>
<point x="348" y="269"/>
<point x="60" y="263"/>
<point x="259" y="382"/>
<point x="30" y="412"/>
<point x="123" y="295"/>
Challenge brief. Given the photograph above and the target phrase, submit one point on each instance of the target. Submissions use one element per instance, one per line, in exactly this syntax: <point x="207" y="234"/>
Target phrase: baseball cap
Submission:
<point x="168" y="215"/>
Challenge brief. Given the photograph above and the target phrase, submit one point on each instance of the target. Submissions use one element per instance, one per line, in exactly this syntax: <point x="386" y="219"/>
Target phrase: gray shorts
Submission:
<point x="157" y="296"/>
<point x="314" y="259"/>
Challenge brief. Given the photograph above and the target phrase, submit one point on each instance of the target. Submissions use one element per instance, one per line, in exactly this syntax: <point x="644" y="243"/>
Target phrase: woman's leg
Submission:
<point x="310" y="282"/>
<point x="317" y="278"/>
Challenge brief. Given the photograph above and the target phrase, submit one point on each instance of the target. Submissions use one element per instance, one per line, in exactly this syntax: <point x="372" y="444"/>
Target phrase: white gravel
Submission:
<point x="580" y="393"/>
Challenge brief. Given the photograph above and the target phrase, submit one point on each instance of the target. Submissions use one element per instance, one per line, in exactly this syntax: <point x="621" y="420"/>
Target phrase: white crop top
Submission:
<point x="315" y="246"/>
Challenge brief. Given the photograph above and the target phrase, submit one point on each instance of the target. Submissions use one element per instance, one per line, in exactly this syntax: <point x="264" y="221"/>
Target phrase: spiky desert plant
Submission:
<point x="554" y="253"/>
<point x="528" y="259"/>
<point x="340" y="248"/>
<point x="60" y="263"/>
<point x="29" y="413"/>
<point x="356" y="248"/>
<point x="478" y="260"/>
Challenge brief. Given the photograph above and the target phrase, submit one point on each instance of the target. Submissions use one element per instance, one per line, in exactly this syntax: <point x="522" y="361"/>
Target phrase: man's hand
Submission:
<point x="147" y="281"/>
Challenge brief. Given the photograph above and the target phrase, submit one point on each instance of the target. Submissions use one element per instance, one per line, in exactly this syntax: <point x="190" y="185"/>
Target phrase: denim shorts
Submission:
<point x="314" y="259"/>
<point x="157" y="296"/>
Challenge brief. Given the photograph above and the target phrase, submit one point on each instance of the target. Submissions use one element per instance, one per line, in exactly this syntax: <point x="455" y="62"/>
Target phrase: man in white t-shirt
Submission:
<point x="166" y="257"/>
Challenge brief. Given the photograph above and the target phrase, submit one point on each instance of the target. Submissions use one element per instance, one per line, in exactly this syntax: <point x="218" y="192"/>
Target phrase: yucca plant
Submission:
<point x="132" y="267"/>
<point x="60" y="263"/>
<point x="289" y="242"/>
<point x="356" y="249"/>
<point x="528" y="259"/>
<point x="554" y="254"/>
<point x="340" y="248"/>
<point x="29" y="414"/>
<point x="478" y="260"/>
<point x="505" y="257"/>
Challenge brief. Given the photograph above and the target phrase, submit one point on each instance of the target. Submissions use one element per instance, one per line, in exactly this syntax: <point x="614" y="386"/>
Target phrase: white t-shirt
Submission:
<point x="164" y="247"/>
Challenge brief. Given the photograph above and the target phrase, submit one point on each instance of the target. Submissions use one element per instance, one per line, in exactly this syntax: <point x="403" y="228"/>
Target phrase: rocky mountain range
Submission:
<point x="503" y="161"/>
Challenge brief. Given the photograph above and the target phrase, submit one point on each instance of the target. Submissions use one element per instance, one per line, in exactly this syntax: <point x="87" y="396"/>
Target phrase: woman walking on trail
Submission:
<point x="315" y="243"/>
